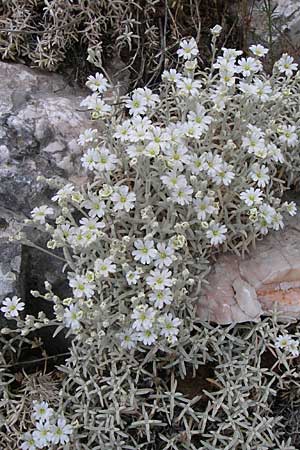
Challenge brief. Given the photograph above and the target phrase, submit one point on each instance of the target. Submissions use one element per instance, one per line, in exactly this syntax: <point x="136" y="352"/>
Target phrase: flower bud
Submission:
<point x="216" y="30"/>
<point x="48" y="286"/>
<point x="51" y="244"/>
<point x="35" y="294"/>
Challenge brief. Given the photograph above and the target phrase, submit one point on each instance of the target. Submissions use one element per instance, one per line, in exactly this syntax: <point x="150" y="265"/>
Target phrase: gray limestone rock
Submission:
<point x="285" y="30"/>
<point x="40" y="121"/>
<point x="290" y="11"/>
<point x="11" y="274"/>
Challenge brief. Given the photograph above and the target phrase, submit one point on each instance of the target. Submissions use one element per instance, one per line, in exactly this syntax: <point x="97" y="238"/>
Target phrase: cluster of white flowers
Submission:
<point x="147" y="326"/>
<point x="194" y="167"/>
<point x="50" y="429"/>
<point x="289" y="345"/>
<point x="149" y="322"/>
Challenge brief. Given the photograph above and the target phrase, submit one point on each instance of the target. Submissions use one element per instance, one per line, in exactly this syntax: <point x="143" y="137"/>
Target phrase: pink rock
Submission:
<point x="242" y="290"/>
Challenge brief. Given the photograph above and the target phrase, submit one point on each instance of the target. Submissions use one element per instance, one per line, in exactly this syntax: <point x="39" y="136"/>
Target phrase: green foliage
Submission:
<point x="227" y="135"/>
<point x="219" y="390"/>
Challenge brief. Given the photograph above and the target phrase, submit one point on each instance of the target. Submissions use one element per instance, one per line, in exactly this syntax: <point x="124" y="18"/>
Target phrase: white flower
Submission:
<point x="274" y="153"/>
<point x="200" y="118"/>
<point x="12" y="306"/>
<point x="128" y="339"/>
<point x="72" y="316"/>
<point x="216" y="233"/>
<point x="192" y="130"/>
<point x="132" y="277"/>
<point x="262" y="225"/>
<point x="97" y="83"/>
<point x="288" y="135"/>
<point x="261" y="153"/>
<point x="40" y="213"/>
<point x="171" y="75"/>
<point x="188" y="49"/>
<point x="169" y="325"/>
<point x="91" y="224"/>
<point x="277" y="222"/>
<point x="211" y="163"/>
<point x="182" y="195"/>
<point x="286" y="64"/>
<point x="226" y="65"/>
<point x="147" y="336"/>
<point x="248" y="66"/>
<point x="60" y="432"/>
<point x="261" y="90"/>
<point x="260" y="175"/>
<point x="158" y="137"/>
<point x="267" y="212"/>
<point x="143" y="316"/>
<point x="223" y="174"/>
<point x="230" y="54"/>
<point x="175" y="132"/>
<point x="106" y="161"/>
<point x="246" y="88"/>
<point x="177" y="157"/>
<point x="29" y="442"/>
<point x="219" y="96"/>
<point x="150" y="98"/>
<point x="122" y="131"/>
<point x="76" y="237"/>
<point x="104" y="267"/>
<point x="95" y="205"/>
<point x="216" y="30"/>
<point x="41" y="411"/>
<point x="137" y="104"/>
<point x="159" y="279"/>
<point x="152" y="150"/>
<point x="64" y="230"/>
<point x="139" y="133"/>
<point x="196" y="164"/>
<point x="251" y="196"/>
<point x="267" y="218"/>
<point x="135" y="150"/>
<point x="87" y="136"/>
<point x="291" y="208"/>
<point x="164" y="256"/>
<point x="42" y="434"/>
<point x="258" y="50"/>
<point x="227" y="77"/>
<point x="145" y="251"/>
<point x="174" y="180"/>
<point x="64" y="193"/>
<point x="96" y="103"/>
<point x="204" y="207"/>
<point x="89" y="236"/>
<point x="294" y="348"/>
<point x="81" y="287"/>
<point x="161" y="298"/>
<point x="90" y="158"/>
<point x="139" y="121"/>
<point x="283" y="341"/>
<point x="187" y="86"/>
<point x="123" y="199"/>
